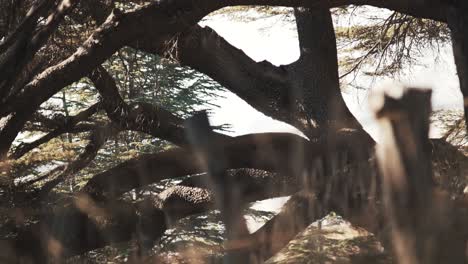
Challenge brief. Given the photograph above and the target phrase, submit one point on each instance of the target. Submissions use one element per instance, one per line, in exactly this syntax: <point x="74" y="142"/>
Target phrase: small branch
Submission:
<point x="67" y="125"/>
<point x="97" y="139"/>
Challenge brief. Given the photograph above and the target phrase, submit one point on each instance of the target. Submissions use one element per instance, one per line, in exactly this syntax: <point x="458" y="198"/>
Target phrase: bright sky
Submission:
<point x="275" y="40"/>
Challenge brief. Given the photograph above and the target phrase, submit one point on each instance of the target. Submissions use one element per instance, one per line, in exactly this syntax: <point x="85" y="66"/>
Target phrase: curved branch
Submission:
<point x="260" y="84"/>
<point x="296" y="94"/>
<point x="96" y="140"/>
<point x="297" y="213"/>
<point x="66" y="126"/>
<point x="121" y="29"/>
<point x="171" y="17"/>
<point x="118" y="30"/>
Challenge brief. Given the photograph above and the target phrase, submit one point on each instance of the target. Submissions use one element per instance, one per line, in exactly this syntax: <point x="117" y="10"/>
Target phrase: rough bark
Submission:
<point x="300" y="94"/>
<point x="341" y="181"/>
<point x="265" y="151"/>
<point x="356" y="194"/>
<point x="29" y="38"/>
<point x="115" y="32"/>
<point x="10" y="126"/>
<point x="181" y="206"/>
<point x="269" y="151"/>
<point x="259" y="84"/>
<point x="314" y="81"/>
<point x="15" y="43"/>
<point x="457" y="20"/>
<point x="121" y="29"/>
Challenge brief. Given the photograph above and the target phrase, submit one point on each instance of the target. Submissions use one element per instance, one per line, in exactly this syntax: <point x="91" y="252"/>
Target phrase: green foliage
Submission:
<point x="452" y="125"/>
<point x="140" y="77"/>
<point x="253" y="13"/>
<point x="384" y="44"/>
<point x="143" y="77"/>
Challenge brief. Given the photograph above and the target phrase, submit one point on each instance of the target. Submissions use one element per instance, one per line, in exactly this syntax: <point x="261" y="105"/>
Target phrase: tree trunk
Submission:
<point x="457" y="20"/>
<point x="314" y="81"/>
<point x="304" y="94"/>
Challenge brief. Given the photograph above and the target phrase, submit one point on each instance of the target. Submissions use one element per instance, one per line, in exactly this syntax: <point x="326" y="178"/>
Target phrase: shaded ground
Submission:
<point x="332" y="240"/>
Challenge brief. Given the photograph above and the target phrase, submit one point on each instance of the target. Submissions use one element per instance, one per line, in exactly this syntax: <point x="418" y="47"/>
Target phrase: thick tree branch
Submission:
<point x="279" y="92"/>
<point x="27" y="25"/>
<point x="276" y="152"/>
<point x="29" y="37"/>
<point x="270" y="151"/>
<point x="300" y="210"/>
<point x="279" y="152"/>
<point x="259" y="84"/>
<point x="10" y="126"/>
<point x="119" y="30"/>
<point x="274" y="91"/>
<point x="182" y="205"/>
<point x="356" y="194"/>
<point x="116" y="31"/>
